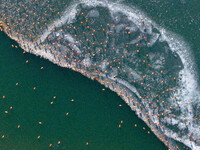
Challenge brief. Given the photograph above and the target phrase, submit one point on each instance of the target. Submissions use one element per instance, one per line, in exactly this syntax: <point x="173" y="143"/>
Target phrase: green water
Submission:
<point x="94" y="115"/>
<point x="180" y="16"/>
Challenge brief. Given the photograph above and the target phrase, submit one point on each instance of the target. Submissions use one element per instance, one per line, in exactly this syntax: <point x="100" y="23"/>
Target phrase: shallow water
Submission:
<point x="153" y="69"/>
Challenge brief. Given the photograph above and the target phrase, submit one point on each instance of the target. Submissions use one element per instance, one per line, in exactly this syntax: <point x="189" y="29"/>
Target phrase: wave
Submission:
<point x="152" y="69"/>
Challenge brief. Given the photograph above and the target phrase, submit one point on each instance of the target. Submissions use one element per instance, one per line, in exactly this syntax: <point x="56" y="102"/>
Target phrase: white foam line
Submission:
<point x="187" y="74"/>
<point x="50" y="57"/>
<point x="67" y="17"/>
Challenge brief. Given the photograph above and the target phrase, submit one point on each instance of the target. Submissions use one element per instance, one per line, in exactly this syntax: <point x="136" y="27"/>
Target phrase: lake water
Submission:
<point x="42" y="103"/>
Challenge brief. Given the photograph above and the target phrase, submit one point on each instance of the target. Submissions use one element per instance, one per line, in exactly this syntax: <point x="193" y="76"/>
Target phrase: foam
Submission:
<point x="188" y="89"/>
<point x="154" y="38"/>
<point x="189" y="86"/>
<point x="87" y="61"/>
<point x="93" y="13"/>
<point x="67" y="17"/>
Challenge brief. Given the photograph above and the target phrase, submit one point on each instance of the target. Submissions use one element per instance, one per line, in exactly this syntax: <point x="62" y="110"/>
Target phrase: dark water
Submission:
<point x="95" y="114"/>
<point x="181" y="17"/>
